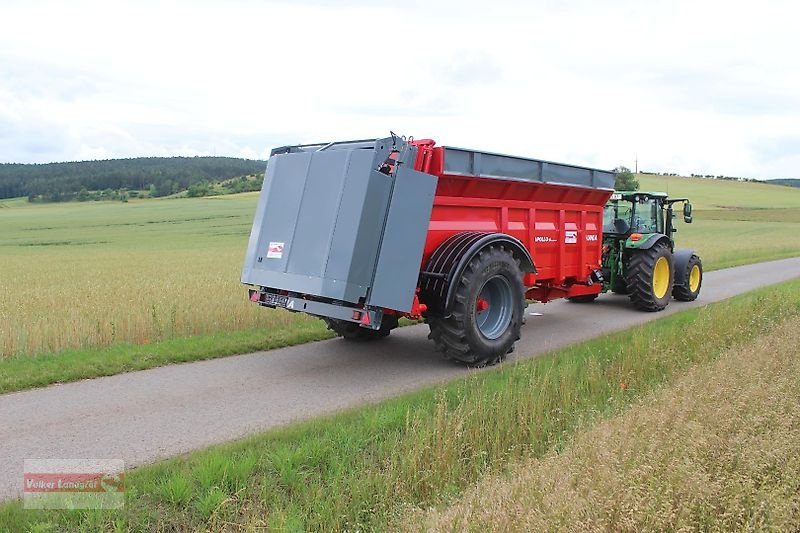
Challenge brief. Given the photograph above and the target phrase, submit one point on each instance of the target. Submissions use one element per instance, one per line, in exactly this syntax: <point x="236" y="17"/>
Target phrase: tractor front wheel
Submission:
<point x="487" y="310"/>
<point x="620" y="287"/>
<point x="353" y="332"/>
<point x="649" y="277"/>
<point x="693" y="280"/>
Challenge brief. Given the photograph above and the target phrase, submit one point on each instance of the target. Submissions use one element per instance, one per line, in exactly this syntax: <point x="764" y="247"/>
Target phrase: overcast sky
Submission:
<point x="688" y="86"/>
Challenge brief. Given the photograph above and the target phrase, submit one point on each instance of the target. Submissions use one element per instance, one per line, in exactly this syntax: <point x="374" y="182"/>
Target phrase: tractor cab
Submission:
<point x="634" y="216"/>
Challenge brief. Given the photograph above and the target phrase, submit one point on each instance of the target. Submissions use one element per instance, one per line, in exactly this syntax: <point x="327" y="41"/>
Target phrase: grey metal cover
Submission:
<point x="320" y="219"/>
<point x="403" y="243"/>
<point x="490" y="165"/>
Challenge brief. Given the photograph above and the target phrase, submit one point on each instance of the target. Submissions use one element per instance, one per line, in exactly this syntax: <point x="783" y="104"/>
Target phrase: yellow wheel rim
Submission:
<point x="661" y="277"/>
<point x="694" y="278"/>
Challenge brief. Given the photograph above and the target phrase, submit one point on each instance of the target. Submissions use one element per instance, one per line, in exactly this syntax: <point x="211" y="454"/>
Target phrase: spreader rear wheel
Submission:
<point x="487" y="310"/>
<point x="693" y="280"/>
<point x="353" y="332"/>
<point x="649" y="277"/>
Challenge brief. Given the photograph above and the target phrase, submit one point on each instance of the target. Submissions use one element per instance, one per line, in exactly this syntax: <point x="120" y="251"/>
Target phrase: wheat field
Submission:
<point x="83" y="275"/>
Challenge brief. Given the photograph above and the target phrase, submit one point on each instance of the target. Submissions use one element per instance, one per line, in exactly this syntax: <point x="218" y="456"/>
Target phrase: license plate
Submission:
<point x="277" y="300"/>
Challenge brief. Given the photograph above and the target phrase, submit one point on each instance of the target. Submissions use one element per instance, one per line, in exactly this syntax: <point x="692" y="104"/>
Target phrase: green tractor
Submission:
<point x="639" y="255"/>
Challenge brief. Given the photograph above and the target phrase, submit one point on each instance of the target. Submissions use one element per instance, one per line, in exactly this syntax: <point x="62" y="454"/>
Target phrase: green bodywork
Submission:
<point x="635" y="220"/>
<point x="643" y="242"/>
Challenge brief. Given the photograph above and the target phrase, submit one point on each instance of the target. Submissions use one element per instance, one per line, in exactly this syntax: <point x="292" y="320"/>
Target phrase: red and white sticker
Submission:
<point x="275" y="250"/>
<point x="571" y="237"/>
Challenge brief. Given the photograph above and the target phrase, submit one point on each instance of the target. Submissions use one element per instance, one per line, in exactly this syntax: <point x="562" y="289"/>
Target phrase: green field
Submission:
<point x="80" y="275"/>
<point x="115" y="286"/>
<point x="722" y="194"/>
<point x="735" y="223"/>
<point x="380" y="467"/>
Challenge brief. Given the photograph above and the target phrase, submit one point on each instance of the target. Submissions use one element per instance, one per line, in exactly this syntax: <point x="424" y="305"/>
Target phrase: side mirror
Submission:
<point x="687" y="212"/>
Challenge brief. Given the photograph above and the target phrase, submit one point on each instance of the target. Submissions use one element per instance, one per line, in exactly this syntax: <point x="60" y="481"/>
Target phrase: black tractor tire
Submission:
<point x="649" y="276"/>
<point x="583" y="299"/>
<point x="621" y="287"/>
<point x="353" y="332"/>
<point x="483" y="337"/>
<point x="693" y="280"/>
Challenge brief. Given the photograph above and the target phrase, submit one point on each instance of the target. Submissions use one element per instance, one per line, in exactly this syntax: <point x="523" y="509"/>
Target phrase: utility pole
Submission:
<point x="636" y="163"/>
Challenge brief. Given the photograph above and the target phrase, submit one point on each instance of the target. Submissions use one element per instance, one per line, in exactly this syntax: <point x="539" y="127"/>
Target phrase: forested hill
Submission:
<point x="161" y="175"/>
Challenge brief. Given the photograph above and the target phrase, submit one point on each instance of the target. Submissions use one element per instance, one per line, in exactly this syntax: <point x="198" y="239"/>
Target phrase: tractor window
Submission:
<point x="648" y="216"/>
<point x="617" y="217"/>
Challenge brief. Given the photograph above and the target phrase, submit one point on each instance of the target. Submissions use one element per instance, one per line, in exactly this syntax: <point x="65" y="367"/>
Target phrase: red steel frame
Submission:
<point x="560" y="225"/>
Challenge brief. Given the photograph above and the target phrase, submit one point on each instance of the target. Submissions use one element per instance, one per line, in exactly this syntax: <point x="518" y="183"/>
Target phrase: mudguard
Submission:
<point x="646" y="243"/>
<point x="448" y="261"/>
<point x="680" y="260"/>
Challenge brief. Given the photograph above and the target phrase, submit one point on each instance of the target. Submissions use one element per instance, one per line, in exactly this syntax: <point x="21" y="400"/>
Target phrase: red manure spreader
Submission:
<point x="362" y="233"/>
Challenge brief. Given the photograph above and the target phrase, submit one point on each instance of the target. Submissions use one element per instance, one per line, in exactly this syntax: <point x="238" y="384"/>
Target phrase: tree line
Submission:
<point x="85" y="180"/>
<point x="791" y="182"/>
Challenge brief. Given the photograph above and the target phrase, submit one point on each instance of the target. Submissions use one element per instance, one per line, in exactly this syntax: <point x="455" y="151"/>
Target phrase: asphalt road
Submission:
<point x="144" y="416"/>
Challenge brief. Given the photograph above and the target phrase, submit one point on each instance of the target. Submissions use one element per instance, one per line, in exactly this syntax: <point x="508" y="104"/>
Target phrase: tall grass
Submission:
<point x="364" y="469"/>
<point x="717" y="451"/>
<point x="92" y="275"/>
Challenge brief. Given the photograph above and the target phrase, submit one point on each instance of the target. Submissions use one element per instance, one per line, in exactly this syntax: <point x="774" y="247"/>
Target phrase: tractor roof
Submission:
<point x="630" y="195"/>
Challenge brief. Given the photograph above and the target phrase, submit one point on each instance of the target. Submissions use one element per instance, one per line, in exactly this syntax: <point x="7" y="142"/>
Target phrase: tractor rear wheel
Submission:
<point x="693" y="280"/>
<point x="353" y="332"/>
<point x="649" y="277"/>
<point x="487" y="310"/>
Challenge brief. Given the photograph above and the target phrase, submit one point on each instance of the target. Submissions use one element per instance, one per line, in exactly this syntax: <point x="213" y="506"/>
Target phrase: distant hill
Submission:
<point x="161" y="175"/>
<point x="708" y="193"/>
<point x="791" y="182"/>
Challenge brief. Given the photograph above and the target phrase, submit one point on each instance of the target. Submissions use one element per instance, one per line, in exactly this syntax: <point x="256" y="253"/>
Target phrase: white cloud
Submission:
<point x="708" y="87"/>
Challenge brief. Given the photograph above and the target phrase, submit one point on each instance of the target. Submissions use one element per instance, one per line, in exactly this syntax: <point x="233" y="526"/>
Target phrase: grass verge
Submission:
<point x="363" y="469"/>
<point x="25" y="371"/>
<point x="28" y="371"/>
<point x="719" y="450"/>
